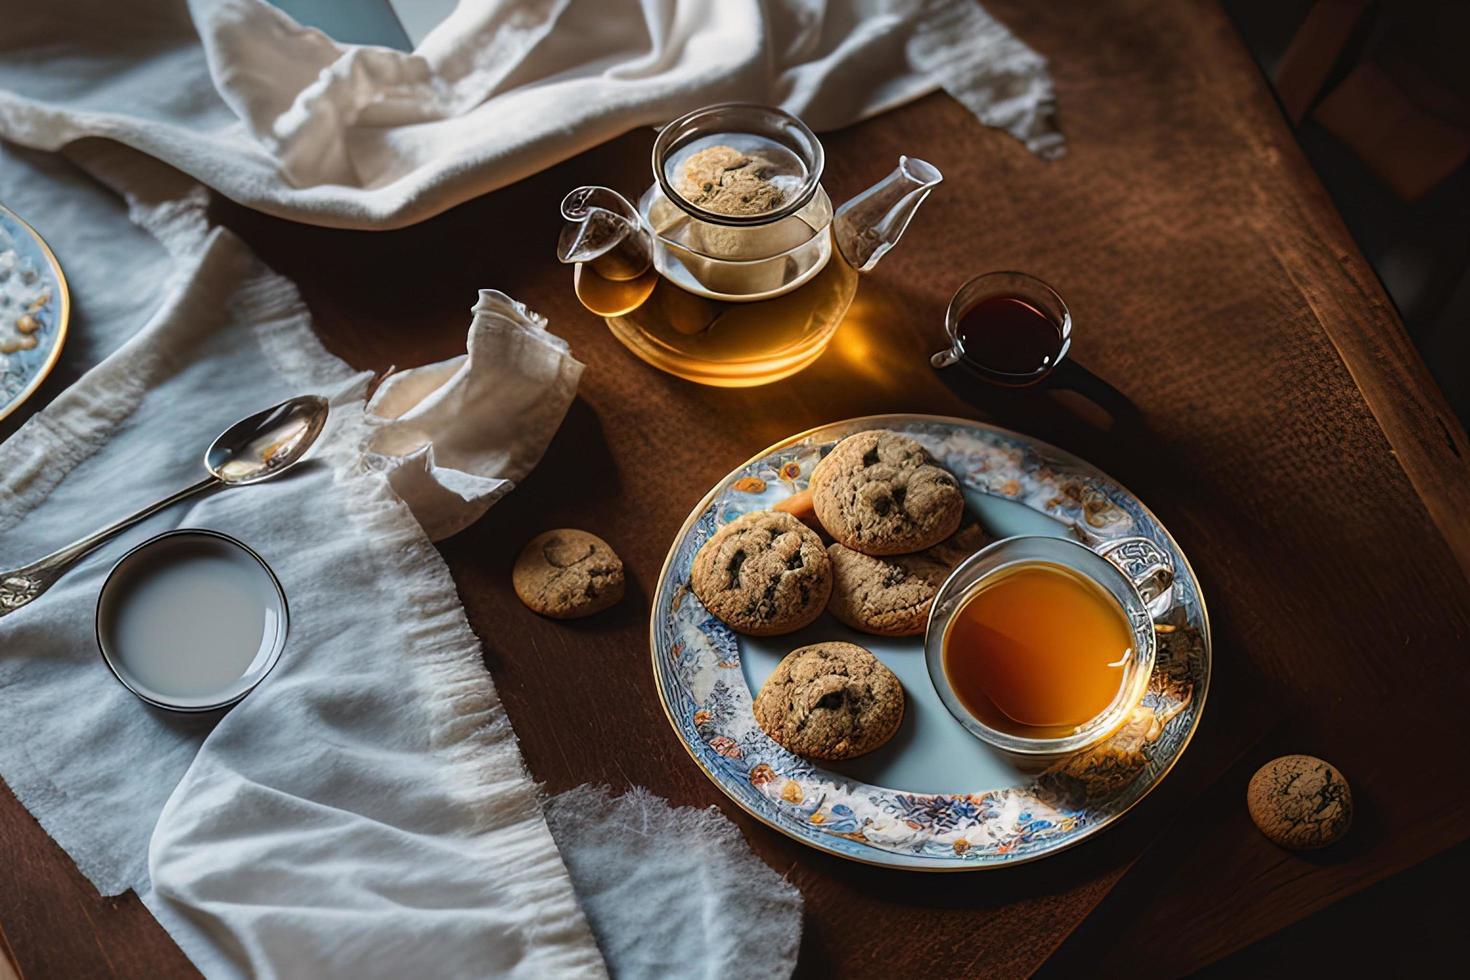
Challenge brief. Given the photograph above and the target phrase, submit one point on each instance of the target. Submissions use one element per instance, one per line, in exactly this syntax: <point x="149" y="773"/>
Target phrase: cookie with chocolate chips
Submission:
<point x="567" y="574"/>
<point x="891" y="596"/>
<point x="880" y="493"/>
<point x="764" y="573"/>
<point x="830" y="701"/>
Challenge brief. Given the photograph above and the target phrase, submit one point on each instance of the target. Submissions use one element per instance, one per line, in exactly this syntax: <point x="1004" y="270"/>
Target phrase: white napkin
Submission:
<point x="455" y="436"/>
<point x="283" y="119"/>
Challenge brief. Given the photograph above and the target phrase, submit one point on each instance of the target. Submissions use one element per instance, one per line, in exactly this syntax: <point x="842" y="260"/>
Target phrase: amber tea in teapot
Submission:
<point x="733" y="269"/>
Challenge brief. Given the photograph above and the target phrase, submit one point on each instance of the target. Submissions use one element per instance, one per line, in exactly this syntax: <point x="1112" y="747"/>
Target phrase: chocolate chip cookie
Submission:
<point x="830" y="701"/>
<point x="891" y="596"/>
<point x="881" y="494"/>
<point x="566" y="574"/>
<point x="1300" y="802"/>
<point x="763" y="574"/>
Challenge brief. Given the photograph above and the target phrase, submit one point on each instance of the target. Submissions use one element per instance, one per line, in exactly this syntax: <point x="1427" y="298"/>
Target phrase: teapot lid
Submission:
<point x="738" y="163"/>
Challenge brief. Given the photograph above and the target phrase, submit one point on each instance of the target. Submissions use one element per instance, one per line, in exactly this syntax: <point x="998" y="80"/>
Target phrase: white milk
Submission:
<point x="185" y="618"/>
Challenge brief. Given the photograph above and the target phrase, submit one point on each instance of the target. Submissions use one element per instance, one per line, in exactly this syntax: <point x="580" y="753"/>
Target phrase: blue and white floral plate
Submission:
<point x="34" y="308"/>
<point x="934" y="798"/>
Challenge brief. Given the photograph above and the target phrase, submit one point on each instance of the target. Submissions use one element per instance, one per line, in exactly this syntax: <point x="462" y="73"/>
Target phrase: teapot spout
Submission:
<point x="606" y="231"/>
<point x="867" y="226"/>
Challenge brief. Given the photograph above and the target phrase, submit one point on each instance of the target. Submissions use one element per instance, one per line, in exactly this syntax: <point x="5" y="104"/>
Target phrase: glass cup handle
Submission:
<point x="945" y="358"/>
<point x="1147" y="566"/>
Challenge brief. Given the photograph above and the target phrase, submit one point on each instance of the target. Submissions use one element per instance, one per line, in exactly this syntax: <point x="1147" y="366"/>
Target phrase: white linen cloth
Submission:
<point x="283" y="119"/>
<point x="367" y="804"/>
<point x="365" y="812"/>
<point x="705" y="907"/>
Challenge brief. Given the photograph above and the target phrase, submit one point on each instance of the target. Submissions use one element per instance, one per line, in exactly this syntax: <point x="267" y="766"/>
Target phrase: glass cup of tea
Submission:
<point x="1010" y="328"/>
<point x="1043" y="646"/>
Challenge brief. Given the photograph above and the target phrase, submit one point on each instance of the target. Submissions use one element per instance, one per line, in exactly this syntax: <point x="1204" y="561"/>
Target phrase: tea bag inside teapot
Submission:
<point x="744" y="176"/>
<point x="725" y="180"/>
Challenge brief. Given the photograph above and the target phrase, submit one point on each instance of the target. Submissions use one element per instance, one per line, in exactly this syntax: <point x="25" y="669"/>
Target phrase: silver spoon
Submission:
<point x="252" y="450"/>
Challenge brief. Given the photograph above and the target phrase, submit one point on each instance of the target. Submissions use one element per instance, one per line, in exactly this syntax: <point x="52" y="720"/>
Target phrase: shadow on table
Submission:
<point x="1072" y="398"/>
<point x="576" y="475"/>
<point x="1078" y="410"/>
<point x="572" y="486"/>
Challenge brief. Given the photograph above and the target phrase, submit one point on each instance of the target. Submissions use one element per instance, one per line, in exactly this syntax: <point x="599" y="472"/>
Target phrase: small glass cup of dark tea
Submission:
<point x="1010" y="328"/>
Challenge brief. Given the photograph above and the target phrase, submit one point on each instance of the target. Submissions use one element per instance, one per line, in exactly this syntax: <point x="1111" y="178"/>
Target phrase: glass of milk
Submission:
<point x="191" y="620"/>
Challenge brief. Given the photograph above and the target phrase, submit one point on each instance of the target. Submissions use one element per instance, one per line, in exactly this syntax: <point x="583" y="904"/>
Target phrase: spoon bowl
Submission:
<point x="267" y="443"/>
<point x="252" y="450"/>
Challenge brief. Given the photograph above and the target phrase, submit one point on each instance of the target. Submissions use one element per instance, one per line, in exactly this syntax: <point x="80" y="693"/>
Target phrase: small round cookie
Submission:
<point x="891" y="596"/>
<point x="830" y="701"/>
<point x="1300" y="802"/>
<point x="879" y="493"/>
<point x="567" y="574"/>
<point x="764" y="573"/>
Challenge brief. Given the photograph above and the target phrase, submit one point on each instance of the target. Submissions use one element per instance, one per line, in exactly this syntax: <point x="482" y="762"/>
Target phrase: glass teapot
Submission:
<point x="733" y="269"/>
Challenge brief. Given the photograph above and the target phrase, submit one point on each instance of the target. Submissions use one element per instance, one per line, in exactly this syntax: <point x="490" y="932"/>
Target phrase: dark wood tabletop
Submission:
<point x="1281" y="425"/>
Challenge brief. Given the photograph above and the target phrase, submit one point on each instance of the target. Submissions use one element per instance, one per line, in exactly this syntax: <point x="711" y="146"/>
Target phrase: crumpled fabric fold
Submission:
<point x="283" y="119"/>
<point x="456" y="436"/>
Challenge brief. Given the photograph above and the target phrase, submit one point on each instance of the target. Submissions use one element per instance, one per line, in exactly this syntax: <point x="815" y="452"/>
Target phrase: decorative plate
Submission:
<point x="34" y="308"/>
<point x="934" y="798"/>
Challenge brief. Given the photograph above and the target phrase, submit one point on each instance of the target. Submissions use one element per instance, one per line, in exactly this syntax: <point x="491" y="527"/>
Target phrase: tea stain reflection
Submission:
<point x="856" y="344"/>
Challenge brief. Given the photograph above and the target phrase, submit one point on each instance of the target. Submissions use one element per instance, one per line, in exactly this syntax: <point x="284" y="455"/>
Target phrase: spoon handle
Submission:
<point x="21" y="586"/>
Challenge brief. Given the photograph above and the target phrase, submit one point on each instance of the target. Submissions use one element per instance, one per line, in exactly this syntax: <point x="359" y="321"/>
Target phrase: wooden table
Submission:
<point x="1286" y="432"/>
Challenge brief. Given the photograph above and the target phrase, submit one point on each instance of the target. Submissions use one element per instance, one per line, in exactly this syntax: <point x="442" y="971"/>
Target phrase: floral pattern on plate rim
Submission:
<point x="698" y="661"/>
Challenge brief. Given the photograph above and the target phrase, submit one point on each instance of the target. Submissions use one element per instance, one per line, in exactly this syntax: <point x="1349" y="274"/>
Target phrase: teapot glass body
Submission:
<point x="733" y="269"/>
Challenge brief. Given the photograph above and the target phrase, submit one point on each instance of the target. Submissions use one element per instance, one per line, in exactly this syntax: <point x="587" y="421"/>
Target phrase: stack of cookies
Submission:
<point x="894" y="518"/>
